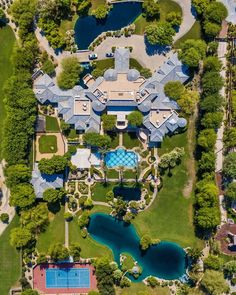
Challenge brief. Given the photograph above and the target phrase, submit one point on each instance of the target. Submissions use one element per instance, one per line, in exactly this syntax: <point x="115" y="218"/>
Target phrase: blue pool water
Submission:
<point x="121" y="15"/>
<point x="165" y="260"/>
<point x="68" y="278"/>
<point x="121" y="157"/>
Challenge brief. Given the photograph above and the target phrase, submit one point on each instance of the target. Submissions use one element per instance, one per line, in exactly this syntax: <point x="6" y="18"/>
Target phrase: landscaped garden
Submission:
<point x="7" y="40"/>
<point x="47" y="144"/>
<point x="130" y="140"/>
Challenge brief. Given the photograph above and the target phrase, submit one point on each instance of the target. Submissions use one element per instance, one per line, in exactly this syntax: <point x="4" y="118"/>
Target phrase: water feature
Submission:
<point x="127" y="193"/>
<point x="121" y="157"/>
<point x="121" y="15"/>
<point x="165" y="260"/>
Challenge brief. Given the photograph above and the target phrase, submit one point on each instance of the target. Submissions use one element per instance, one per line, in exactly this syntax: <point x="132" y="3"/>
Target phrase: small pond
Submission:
<point x="121" y="157"/>
<point x="165" y="260"/>
<point x="87" y="28"/>
<point x="127" y="193"/>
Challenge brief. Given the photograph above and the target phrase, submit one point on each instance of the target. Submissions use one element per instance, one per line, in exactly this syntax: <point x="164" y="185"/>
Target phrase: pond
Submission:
<point x="87" y="28"/>
<point x="165" y="260"/>
<point x="127" y="193"/>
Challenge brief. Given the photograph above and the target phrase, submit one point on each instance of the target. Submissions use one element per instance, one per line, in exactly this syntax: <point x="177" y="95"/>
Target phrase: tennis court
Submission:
<point x="68" y="278"/>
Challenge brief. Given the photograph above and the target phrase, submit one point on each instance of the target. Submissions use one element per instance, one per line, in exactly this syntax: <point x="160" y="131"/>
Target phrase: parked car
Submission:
<point x="109" y="54"/>
<point x="92" y="56"/>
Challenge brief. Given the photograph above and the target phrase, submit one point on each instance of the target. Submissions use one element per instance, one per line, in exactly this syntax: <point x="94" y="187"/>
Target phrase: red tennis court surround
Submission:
<point x="39" y="278"/>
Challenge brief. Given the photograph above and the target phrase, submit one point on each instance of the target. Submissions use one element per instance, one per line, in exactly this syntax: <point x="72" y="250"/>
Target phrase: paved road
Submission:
<point x="188" y="18"/>
<point x="148" y="56"/>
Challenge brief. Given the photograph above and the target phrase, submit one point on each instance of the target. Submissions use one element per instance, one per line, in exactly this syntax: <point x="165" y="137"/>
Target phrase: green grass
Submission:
<point x="100" y="190"/>
<point x="129" y="174"/>
<point x="72" y="134"/>
<point x="134" y="64"/>
<point x="96" y="3"/>
<point x="166" y="6"/>
<point x="7" y="40"/>
<point x="171" y="215"/>
<point x="105" y="64"/>
<point x="130" y="140"/>
<point x="55" y="232"/>
<point x="114" y="139"/>
<point x="52" y="124"/>
<point x="112" y="173"/>
<point x="68" y="24"/>
<point x="47" y="144"/>
<point x="193" y="33"/>
<point x="89" y="247"/>
<point x="9" y="260"/>
<point x="141" y="288"/>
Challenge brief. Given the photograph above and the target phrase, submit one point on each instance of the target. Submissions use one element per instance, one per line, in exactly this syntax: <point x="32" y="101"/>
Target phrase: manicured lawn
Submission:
<point x="55" y="232"/>
<point x="52" y="124"/>
<point x="141" y="288"/>
<point x="72" y="134"/>
<point x="7" y="40"/>
<point x="130" y="140"/>
<point x="47" y="144"/>
<point x="129" y="174"/>
<point x="112" y="173"/>
<point x="193" y="33"/>
<point x="100" y="190"/>
<point x="89" y="247"/>
<point x="9" y="260"/>
<point x="105" y="64"/>
<point x="166" y="6"/>
<point x="171" y="215"/>
<point x="114" y="139"/>
<point x="134" y="64"/>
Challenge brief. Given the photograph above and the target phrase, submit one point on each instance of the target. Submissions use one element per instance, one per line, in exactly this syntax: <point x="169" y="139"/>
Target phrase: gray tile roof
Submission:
<point x="122" y="60"/>
<point x="42" y="182"/>
<point x="152" y="90"/>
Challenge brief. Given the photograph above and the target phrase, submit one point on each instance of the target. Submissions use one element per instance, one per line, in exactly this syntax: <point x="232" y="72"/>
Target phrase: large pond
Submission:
<point x="165" y="260"/>
<point x="121" y="15"/>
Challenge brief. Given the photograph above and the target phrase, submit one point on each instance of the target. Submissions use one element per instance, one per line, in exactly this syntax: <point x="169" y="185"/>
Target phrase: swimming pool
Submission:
<point x="121" y="157"/>
<point x="68" y="278"/>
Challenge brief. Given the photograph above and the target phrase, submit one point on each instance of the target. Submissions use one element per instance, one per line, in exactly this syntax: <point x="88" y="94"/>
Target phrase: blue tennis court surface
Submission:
<point x="68" y="278"/>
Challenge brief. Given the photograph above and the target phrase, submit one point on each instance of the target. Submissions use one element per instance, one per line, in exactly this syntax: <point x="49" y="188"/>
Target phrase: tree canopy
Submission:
<point x="151" y="9"/>
<point x="135" y="118"/>
<point x="58" y="252"/>
<point x="174" y="89"/>
<point x="104" y="275"/>
<point x="71" y="71"/>
<point x="161" y="33"/>
<point x="22" y="195"/>
<point x="192" y="51"/>
<point x="101" y="11"/>
<point x="55" y="165"/>
<point x="109" y="122"/>
<point x="20" y="237"/>
<point x="17" y="174"/>
<point x="214" y="283"/>
<point x="52" y="195"/>
<point x="95" y="139"/>
<point x="229" y="166"/>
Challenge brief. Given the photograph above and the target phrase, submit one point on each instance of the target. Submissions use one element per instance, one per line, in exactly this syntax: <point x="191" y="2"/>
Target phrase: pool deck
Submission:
<point x="39" y="278"/>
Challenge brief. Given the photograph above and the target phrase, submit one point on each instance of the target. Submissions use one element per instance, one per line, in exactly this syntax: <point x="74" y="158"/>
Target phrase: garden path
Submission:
<point x="222" y="51"/>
